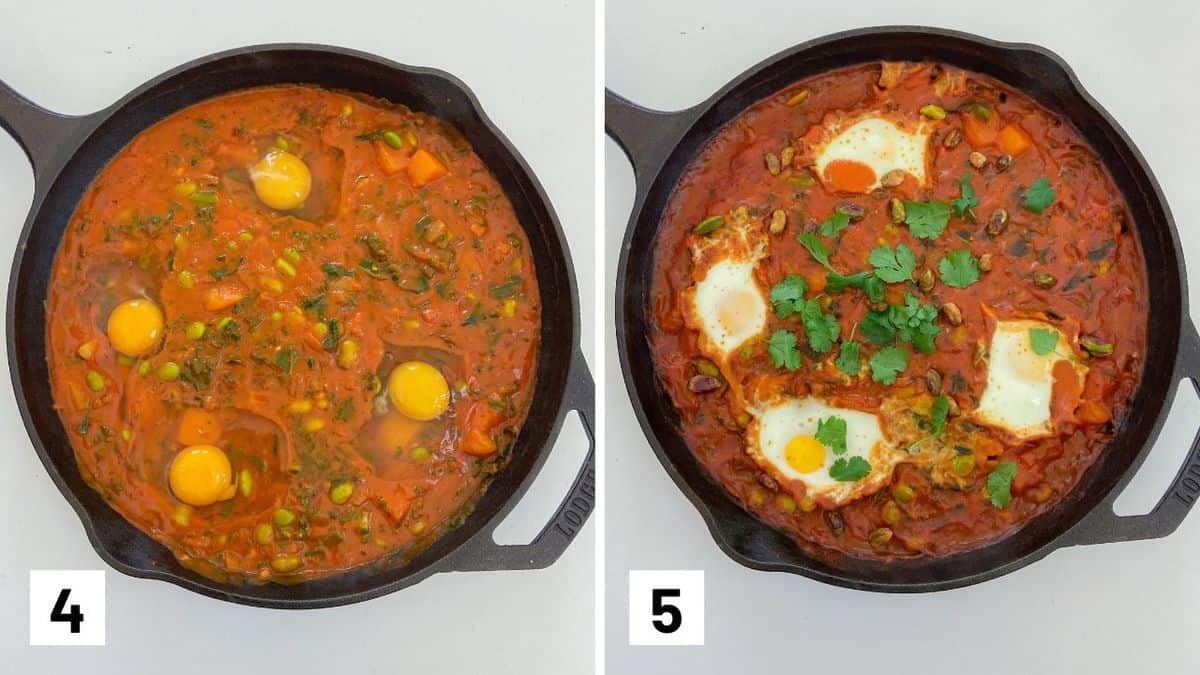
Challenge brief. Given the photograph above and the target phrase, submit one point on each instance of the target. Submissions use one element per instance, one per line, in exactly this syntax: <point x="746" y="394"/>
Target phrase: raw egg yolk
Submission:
<point x="135" y="327"/>
<point x="804" y="454"/>
<point x="281" y="180"/>
<point x="201" y="475"/>
<point x="418" y="390"/>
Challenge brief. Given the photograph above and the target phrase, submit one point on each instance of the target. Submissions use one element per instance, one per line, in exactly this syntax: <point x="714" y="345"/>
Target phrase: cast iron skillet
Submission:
<point x="661" y="145"/>
<point x="68" y="152"/>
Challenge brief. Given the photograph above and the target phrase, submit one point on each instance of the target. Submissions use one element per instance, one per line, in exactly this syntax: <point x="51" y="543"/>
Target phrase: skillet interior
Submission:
<point x="425" y="90"/>
<point x="1049" y="81"/>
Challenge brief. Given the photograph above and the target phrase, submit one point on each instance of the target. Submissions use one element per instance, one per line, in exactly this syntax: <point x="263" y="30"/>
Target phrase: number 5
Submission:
<point x="658" y="607"/>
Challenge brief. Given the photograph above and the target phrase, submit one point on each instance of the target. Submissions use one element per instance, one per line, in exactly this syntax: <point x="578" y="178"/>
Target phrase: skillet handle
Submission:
<point x="42" y="134"/>
<point x="1103" y="526"/>
<point x="646" y="136"/>
<point x="482" y="553"/>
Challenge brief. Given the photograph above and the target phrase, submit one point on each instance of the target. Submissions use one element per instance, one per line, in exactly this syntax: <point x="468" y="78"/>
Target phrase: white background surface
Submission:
<point x="531" y="65"/>
<point x="1103" y="609"/>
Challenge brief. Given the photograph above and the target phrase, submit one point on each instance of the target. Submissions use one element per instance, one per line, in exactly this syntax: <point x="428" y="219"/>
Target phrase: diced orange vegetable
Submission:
<point x="978" y="132"/>
<point x="1014" y="140"/>
<point x="198" y="427"/>
<point x="391" y="160"/>
<point x="396" y="504"/>
<point x="1091" y="412"/>
<point x="816" y="280"/>
<point x="424" y="168"/>
<point x="223" y="296"/>
<point x="478" y="438"/>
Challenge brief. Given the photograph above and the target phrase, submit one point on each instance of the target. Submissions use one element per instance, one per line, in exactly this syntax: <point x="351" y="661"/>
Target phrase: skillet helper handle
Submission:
<point x="42" y="134"/>
<point x="1104" y="526"/>
<point x="482" y="553"/>
<point x="646" y="136"/>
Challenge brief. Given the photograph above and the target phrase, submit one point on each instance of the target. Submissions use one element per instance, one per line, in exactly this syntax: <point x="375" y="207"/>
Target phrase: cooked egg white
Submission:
<point x="782" y="439"/>
<point x="1020" y="382"/>
<point x="726" y="304"/>
<point x="854" y="157"/>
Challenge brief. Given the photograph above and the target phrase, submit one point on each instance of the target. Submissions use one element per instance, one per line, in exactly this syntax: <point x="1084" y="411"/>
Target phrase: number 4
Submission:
<point x="658" y="607"/>
<point x="75" y="617"/>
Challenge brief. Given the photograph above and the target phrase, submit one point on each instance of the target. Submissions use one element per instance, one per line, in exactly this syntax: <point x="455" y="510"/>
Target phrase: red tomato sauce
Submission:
<point x="281" y="328"/>
<point x="1076" y="265"/>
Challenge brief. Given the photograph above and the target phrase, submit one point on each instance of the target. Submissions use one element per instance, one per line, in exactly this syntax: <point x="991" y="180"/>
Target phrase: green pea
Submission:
<point x="903" y="493"/>
<point x="340" y="493"/>
<point x="195" y="330"/>
<point x="264" y="533"/>
<point x="187" y="279"/>
<point x="291" y="254"/>
<point x="964" y="465"/>
<point x="144" y="368"/>
<point x="95" y="381"/>
<point x="203" y="198"/>
<point x="420" y="453"/>
<point x="245" y="482"/>
<point x="168" y="372"/>
<point x="284" y="517"/>
<point x="285" y="563"/>
<point x="285" y="267"/>
<point x="393" y="139"/>
<point x="225" y="321"/>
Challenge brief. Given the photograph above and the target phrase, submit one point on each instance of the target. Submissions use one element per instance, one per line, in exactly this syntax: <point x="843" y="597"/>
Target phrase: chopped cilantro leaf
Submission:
<point x="816" y="248"/>
<point x="848" y="360"/>
<point x="938" y="412"/>
<point x="959" y="268"/>
<point x="1042" y="341"/>
<point x="999" y="484"/>
<point x="846" y="471"/>
<point x="831" y="431"/>
<point x="782" y="350"/>
<point x="926" y="220"/>
<point x="915" y="323"/>
<point x="878" y="327"/>
<point x="834" y="224"/>
<point x="968" y="200"/>
<point x="893" y="266"/>
<point x="822" y="328"/>
<point x="867" y="281"/>
<point x="788" y="295"/>
<point x="887" y="363"/>
<point x="1039" y="196"/>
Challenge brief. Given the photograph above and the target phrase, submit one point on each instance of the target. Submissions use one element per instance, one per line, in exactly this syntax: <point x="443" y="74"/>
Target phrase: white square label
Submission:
<point x="66" y="607"/>
<point x="666" y="607"/>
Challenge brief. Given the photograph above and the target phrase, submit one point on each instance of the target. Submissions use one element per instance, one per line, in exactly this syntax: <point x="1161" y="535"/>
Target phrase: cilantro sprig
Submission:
<point x="964" y="204"/>
<point x="867" y="282"/>
<point x="999" y="484"/>
<point x="1039" y="196"/>
<point x="888" y="363"/>
<point x="848" y="360"/>
<point x="893" y="266"/>
<point x="849" y="470"/>
<point x="822" y="328"/>
<point x="916" y="323"/>
<point x="834" y="224"/>
<point x="959" y="268"/>
<point x="1042" y="340"/>
<point x="926" y="220"/>
<point x="782" y="350"/>
<point x="787" y="296"/>
<point x="831" y="431"/>
<point x="816" y="248"/>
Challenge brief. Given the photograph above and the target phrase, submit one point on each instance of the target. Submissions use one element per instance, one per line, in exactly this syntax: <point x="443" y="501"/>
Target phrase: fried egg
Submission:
<point x="1021" y="384"/>
<point x="852" y="156"/>
<point x="418" y="390"/>
<point x="726" y="304"/>
<point x="783" y="439"/>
